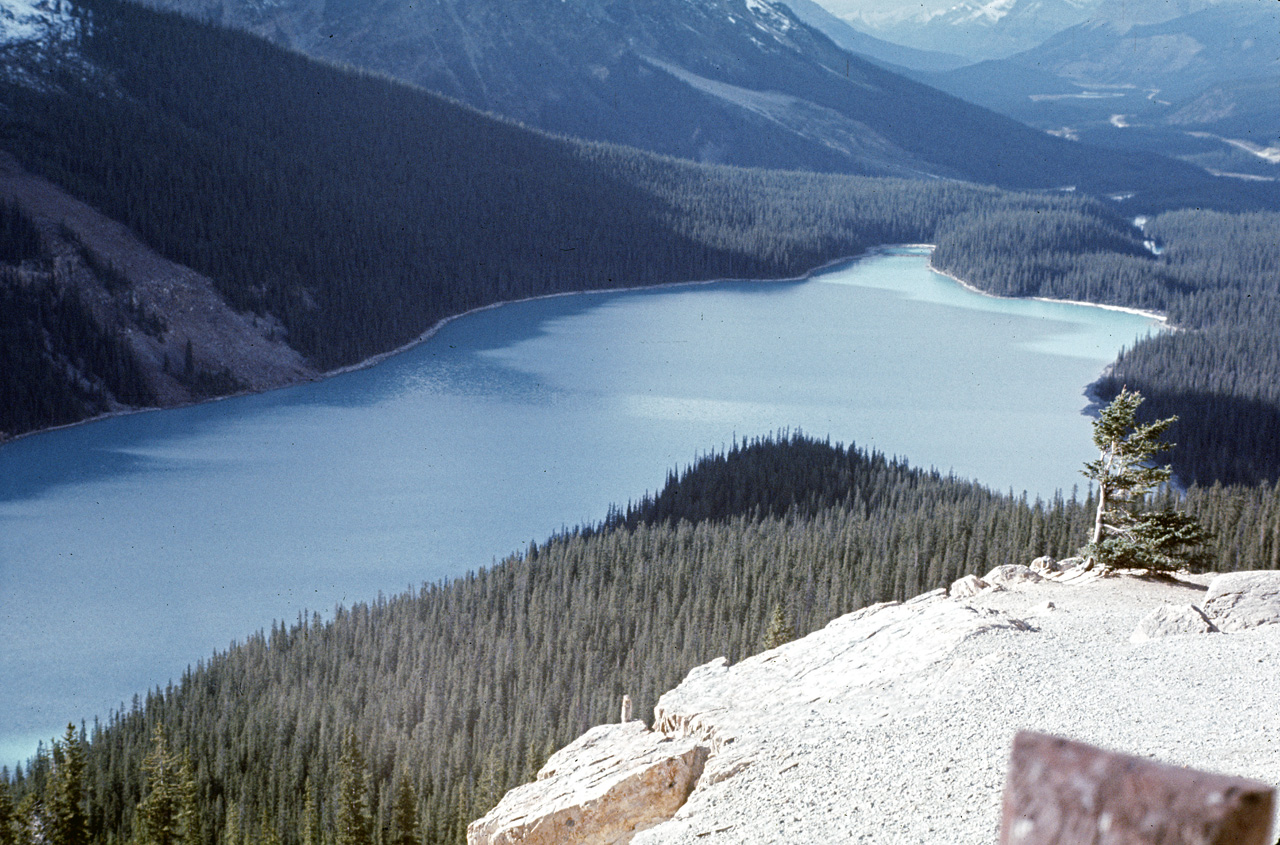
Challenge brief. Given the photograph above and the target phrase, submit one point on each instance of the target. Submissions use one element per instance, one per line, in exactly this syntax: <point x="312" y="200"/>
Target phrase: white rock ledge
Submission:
<point x="893" y="724"/>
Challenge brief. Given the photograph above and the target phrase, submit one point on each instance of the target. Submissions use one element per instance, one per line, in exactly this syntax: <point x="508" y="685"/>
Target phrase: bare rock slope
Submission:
<point x="894" y="723"/>
<point x="173" y="320"/>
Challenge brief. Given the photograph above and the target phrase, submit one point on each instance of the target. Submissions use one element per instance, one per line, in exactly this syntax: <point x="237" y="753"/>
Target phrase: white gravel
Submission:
<point x="894" y="725"/>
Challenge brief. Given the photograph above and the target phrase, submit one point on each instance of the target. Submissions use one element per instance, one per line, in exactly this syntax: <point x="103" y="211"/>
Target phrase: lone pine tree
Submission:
<point x="1124" y="535"/>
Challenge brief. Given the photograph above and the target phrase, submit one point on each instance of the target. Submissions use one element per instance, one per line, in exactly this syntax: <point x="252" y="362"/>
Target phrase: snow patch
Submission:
<point x="769" y="17"/>
<point x="36" y="21"/>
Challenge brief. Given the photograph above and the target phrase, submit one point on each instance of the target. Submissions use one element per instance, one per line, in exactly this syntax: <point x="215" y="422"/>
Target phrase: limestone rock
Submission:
<point x="1011" y="575"/>
<point x="1170" y="619"/>
<point x="969" y="585"/>
<point x="601" y="789"/>
<point x="1237" y="601"/>
<point x="1045" y="565"/>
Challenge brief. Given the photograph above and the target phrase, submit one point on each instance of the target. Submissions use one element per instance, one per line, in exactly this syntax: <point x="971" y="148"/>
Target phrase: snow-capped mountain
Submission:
<point x="1001" y="28"/>
<point x="1201" y="86"/>
<point x="993" y="29"/>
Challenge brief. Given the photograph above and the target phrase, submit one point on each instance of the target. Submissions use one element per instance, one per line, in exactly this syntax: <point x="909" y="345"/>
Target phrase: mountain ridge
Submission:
<point x="586" y="70"/>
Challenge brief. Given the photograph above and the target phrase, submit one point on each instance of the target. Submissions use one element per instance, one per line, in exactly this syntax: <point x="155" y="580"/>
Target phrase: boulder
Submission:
<point x="1237" y="601"/>
<point x="1168" y="619"/>
<point x="1011" y="575"/>
<point x="966" y="587"/>
<point x="1059" y="791"/>
<point x="1045" y="565"/>
<point x="601" y="789"/>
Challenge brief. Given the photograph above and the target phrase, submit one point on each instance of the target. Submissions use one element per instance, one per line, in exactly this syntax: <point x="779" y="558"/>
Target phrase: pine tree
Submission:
<point x="231" y="830"/>
<point x="65" y="821"/>
<point x="167" y="814"/>
<point x="404" y="816"/>
<point x="354" y="824"/>
<point x="780" y="629"/>
<point x="310" y="817"/>
<point x="8" y="813"/>
<point x="1124" y="535"/>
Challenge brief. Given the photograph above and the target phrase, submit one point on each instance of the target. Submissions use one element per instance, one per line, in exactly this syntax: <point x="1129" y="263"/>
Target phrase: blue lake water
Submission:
<point x="134" y="546"/>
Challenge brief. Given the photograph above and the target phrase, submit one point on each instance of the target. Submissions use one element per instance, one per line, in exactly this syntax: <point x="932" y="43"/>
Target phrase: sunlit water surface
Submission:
<point x="134" y="546"/>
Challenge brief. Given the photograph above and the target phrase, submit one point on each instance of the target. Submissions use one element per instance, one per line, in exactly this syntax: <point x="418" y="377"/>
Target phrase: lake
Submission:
<point x="132" y="547"/>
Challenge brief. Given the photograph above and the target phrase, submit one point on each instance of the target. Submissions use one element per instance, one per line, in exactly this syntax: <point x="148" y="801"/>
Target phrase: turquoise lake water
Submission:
<point x="134" y="546"/>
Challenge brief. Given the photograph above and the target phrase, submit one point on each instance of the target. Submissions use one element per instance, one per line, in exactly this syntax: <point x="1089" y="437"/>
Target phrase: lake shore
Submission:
<point x="436" y="327"/>
<point x="1156" y="316"/>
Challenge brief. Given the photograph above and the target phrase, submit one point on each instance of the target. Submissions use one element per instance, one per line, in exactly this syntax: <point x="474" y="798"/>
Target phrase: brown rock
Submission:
<point x="1061" y="792"/>
<point x="601" y="789"/>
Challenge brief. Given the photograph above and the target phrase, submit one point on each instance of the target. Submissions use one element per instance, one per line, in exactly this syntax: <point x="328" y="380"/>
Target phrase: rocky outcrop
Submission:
<point x="967" y="587"/>
<point x="1011" y="575"/>
<point x="1170" y="619"/>
<point x="1237" y="601"/>
<point x="171" y="318"/>
<point x="893" y="723"/>
<point x="601" y="789"/>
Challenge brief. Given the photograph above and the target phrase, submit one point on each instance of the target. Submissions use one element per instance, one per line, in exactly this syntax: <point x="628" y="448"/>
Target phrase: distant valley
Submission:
<point x="1203" y="87"/>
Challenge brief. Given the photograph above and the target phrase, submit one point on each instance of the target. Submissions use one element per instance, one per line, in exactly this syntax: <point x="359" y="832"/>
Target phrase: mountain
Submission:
<point x="1201" y="86"/>
<point x="742" y="82"/>
<point x="999" y="28"/>
<point x="882" y="52"/>
<point x="991" y="30"/>
<point x="146" y="146"/>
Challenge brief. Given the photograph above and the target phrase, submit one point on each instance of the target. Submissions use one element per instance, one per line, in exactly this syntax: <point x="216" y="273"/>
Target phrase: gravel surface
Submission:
<point x="895" y="724"/>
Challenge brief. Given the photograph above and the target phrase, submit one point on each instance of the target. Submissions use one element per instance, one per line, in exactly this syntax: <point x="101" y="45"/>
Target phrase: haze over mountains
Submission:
<point x="999" y="28"/>
<point x="1195" y="79"/>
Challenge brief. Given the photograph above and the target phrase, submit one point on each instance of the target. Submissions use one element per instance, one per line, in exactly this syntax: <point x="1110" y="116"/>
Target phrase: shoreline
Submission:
<point x="1154" y="316"/>
<point x="430" y="332"/>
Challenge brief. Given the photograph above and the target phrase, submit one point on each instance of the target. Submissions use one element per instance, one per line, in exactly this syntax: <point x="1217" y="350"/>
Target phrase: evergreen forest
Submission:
<point x="406" y="717"/>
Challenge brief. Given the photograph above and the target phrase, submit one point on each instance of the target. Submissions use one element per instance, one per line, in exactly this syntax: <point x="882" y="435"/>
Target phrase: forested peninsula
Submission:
<point x="435" y="702"/>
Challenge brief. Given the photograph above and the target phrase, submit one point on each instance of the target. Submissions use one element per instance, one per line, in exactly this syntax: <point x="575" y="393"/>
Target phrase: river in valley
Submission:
<point x="133" y="546"/>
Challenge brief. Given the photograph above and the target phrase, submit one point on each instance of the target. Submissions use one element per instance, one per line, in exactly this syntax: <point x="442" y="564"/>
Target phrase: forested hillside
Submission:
<point x="1217" y="277"/>
<point x="457" y="691"/>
